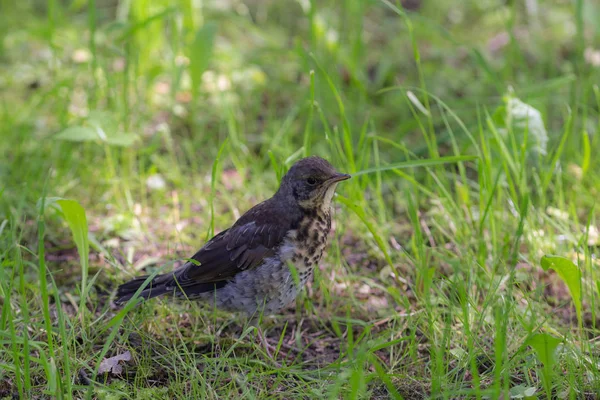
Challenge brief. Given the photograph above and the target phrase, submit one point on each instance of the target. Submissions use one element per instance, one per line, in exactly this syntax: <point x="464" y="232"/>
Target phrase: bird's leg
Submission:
<point x="269" y="349"/>
<point x="264" y="342"/>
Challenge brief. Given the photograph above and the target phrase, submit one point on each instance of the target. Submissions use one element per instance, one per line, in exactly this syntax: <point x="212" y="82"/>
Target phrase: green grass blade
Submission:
<point x="418" y="163"/>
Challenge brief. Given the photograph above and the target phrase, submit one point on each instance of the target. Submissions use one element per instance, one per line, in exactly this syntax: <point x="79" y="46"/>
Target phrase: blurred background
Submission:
<point x="166" y="120"/>
<point x="168" y="81"/>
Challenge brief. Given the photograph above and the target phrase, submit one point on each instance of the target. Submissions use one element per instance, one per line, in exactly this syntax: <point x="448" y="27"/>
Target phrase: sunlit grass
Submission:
<point x="160" y="123"/>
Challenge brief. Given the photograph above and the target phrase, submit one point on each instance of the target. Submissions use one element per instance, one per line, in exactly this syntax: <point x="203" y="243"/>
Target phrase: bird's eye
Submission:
<point x="311" y="181"/>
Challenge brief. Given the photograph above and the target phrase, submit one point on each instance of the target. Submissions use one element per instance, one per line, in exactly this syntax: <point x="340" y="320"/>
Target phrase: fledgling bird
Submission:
<point x="247" y="267"/>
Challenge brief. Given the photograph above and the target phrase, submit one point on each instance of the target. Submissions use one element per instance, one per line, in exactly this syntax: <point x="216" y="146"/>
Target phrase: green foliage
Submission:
<point x="545" y="347"/>
<point x="417" y="163"/>
<point x="80" y="134"/>
<point x="523" y="123"/>
<point x="75" y="216"/>
<point x="570" y="274"/>
<point x="102" y="129"/>
<point x="472" y="156"/>
<point x="201" y="52"/>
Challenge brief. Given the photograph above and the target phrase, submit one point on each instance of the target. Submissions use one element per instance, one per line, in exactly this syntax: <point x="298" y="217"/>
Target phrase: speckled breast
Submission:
<point x="310" y="241"/>
<point x="271" y="285"/>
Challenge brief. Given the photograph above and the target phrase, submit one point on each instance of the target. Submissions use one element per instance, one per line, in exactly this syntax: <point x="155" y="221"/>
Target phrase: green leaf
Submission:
<point x="78" y="134"/>
<point x="522" y="392"/>
<point x="122" y="139"/>
<point x="570" y="274"/>
<point x="522" y="117"/>
<point x="201" y="52"/>
<point x="545" y="347"/>
<point x="75" y="216"/>
<point x="103" y="120"/>
<point x="97" y="133"/>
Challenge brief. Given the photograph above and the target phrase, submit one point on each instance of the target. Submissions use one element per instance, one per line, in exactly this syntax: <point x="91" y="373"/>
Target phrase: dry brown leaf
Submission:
<point x="112" y="364"/>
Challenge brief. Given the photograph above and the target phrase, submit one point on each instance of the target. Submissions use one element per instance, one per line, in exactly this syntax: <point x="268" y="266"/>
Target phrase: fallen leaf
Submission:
<point x="112" y="365"/>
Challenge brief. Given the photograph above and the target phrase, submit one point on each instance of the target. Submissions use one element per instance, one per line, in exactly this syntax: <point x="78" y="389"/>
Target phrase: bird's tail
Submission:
<point x="156" y="287"/>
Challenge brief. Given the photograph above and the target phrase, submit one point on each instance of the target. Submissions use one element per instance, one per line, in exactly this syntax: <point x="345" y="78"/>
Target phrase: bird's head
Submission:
<point x="311" y="182"/>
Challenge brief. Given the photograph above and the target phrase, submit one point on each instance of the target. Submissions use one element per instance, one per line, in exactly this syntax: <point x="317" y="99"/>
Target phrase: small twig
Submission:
<point x="427" y="231"/>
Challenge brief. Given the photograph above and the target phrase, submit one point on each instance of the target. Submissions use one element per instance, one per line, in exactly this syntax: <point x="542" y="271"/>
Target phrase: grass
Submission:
<point x="132" y="131"/>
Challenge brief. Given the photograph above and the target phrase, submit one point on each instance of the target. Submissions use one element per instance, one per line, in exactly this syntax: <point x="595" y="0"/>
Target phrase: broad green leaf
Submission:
<point x="103" y="119"/>
<point x="570" y="274"/>
<point x="201" y="52"/>
<point x="522" y="392"/>
<point x="545" y="348"/>
<point x="97" y="133"/>
<point x="523" y="117"/>
<point x="122" y="139"/>
<point x="78" y="134"/>
<point x="517" y="123"/>
<point x="75" y="216"/>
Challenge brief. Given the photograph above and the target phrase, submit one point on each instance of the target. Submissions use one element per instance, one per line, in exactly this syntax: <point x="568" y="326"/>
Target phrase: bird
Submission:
<point x="261" y="263"/>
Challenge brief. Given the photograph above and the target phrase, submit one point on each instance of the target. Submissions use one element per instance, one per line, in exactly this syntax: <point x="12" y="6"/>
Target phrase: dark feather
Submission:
<point x="244" y="246"/>
<point x="160" y="285"/>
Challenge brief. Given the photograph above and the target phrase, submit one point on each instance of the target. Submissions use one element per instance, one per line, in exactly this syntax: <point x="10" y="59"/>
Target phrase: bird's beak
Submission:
<point x="338" y="178"/>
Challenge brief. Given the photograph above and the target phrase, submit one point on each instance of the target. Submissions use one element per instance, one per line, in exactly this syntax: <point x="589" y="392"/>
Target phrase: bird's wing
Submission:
<point x="239" y="248"/>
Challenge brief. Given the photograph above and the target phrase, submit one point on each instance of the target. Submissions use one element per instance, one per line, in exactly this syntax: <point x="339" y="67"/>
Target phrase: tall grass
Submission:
<point x="463" y="263"/>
